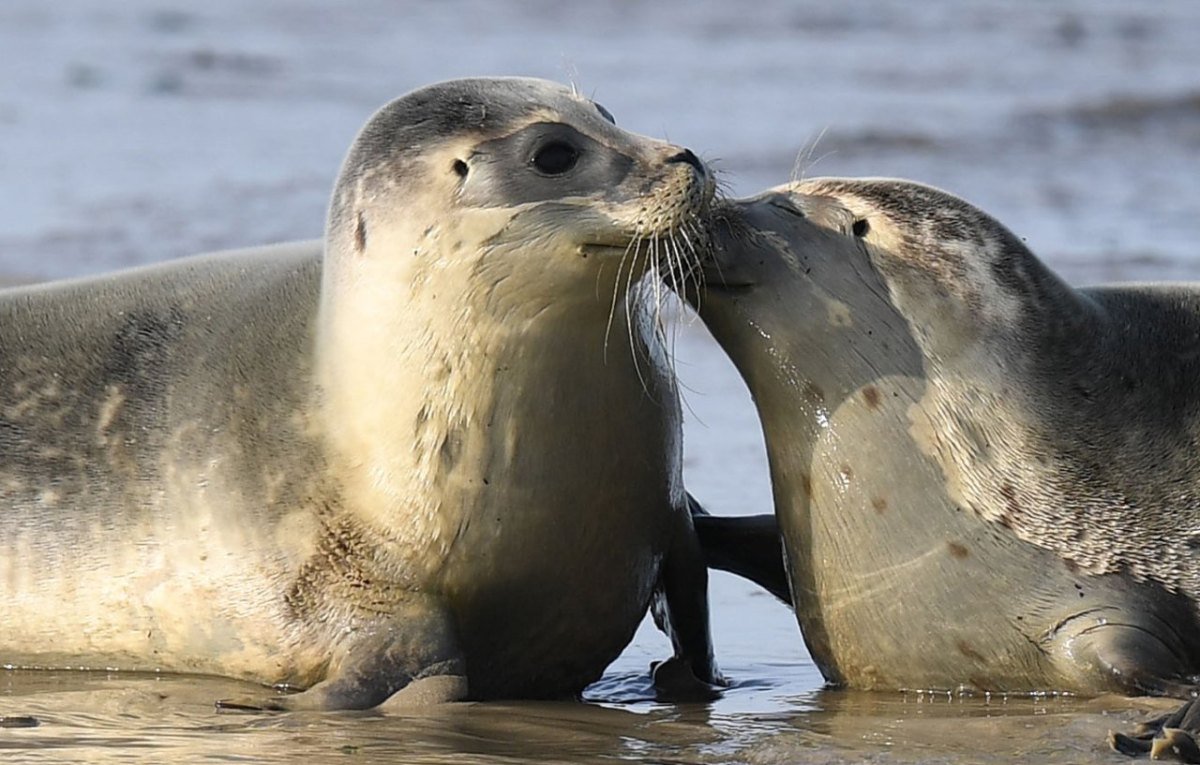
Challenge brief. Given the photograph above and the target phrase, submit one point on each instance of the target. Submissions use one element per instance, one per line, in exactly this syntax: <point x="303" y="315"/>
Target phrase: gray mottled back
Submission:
<point x="111" y="391"/>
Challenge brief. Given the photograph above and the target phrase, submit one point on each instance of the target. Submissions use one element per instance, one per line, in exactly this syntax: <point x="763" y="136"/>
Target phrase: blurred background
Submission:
<point x="149" y="129"/>
<point x="142" y="130"/>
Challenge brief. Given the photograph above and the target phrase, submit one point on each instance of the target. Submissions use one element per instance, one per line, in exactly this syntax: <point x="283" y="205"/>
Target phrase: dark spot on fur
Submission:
<point x="450" y="449"/>
<point x="957" y="550"/>
<point x="806" y="484"/>
<point x="880" y="504"/>
<point x="605" y="113"/>
<point x="1005" y="520"/>
<point x="966" y="650"/>
<point x="1071" y="565"/>
<point x="871" y="396"/>
<point x="341" y="565"/>
<point x="360" y="233"/>
<point x="846" y="471"/>
<point x="421" y="420"/>
<point x="140" y="354"/>
<point x="813" y="391"/>
<point x="1009" y="493"/>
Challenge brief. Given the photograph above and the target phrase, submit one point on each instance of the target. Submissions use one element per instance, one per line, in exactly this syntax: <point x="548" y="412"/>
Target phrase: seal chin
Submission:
<point x="719" y="272"/>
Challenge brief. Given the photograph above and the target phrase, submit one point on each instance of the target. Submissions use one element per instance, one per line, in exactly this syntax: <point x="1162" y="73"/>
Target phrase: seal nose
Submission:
<point x="687" y="156"/>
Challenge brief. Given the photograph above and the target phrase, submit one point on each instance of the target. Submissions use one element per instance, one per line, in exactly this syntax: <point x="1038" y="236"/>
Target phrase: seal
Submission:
<point x="408" y="453"/>
<point x="985" y="479"/>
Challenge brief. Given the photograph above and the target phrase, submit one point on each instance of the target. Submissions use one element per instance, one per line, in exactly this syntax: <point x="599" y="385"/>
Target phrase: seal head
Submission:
<point x="981" y="475"/>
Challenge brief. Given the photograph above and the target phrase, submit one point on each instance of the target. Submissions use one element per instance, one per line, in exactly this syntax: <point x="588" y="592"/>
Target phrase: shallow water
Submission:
<point x="106" y="718"/>
<point x="151" y="129"/>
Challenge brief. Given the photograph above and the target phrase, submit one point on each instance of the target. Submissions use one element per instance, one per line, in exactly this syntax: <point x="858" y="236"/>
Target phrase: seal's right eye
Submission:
<point x="460" y="167"/>
<point x="860" y="227"/>
<point x="555" y="158"/>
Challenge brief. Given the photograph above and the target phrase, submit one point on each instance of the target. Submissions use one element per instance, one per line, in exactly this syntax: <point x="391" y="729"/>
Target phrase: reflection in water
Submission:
<point x="109" y="718"/>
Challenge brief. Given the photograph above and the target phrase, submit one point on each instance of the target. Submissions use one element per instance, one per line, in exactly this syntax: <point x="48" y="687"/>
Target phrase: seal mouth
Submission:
<point x="594" y="248"/>
<point x="719" y="282"/>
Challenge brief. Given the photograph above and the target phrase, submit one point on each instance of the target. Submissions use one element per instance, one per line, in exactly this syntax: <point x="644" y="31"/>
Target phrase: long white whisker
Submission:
<point x="629" y="314"/>
<point x="612" y="307"/>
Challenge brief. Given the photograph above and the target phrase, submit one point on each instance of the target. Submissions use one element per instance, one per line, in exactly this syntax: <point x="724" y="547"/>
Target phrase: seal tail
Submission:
<point x="749" y="546"/>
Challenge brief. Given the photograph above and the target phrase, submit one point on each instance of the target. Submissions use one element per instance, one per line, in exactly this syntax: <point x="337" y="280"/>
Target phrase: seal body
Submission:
<point x="414" y="452"/>
<point x="985" y="479"/>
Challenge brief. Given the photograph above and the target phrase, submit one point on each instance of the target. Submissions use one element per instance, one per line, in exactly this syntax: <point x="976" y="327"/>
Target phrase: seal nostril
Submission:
<point x="687" y="156"/>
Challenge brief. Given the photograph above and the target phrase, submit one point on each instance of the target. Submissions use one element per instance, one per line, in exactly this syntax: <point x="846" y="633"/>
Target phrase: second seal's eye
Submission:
<point x="555" y="158"/>
<point x="860" y="227"/>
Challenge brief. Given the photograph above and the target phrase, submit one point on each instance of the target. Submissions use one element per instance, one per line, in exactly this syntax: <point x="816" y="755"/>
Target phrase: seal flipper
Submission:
<point x="1170" y="737"/>
<point x="680" y="609"/>
<point x="414" y="660"/>
<point x="1143" y="651"/>
<point x="749" y="546"/>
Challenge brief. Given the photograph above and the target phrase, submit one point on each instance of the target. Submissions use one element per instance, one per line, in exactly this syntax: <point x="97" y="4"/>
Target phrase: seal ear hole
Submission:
<point x="460" y="168"/>
<point x="555" y="158"/>
<point x="860" y="227"/>
<point x="605" y="113"/>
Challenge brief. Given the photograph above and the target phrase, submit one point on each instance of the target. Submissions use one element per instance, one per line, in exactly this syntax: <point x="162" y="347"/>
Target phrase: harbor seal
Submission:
<point x="986" y="480"/>
<point x="415" y="458"/>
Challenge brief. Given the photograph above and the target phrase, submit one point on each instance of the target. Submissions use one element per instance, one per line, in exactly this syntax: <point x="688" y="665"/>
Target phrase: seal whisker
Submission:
<point x="671" y="326"/>
<point x="612" y="308"/>
<point x="688" y="267"/>
<point x="631" y="295"/>
<point x="804" y="161"/>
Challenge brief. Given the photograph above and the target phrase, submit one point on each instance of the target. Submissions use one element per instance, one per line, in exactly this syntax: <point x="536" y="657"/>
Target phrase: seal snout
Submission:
<point x="721" y="263"/>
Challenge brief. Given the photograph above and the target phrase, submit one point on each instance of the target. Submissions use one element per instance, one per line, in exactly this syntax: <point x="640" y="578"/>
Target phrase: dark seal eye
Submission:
<point x="555" y="158"/>
<point x="460" y="168"/>
<point x="861" y="227"/>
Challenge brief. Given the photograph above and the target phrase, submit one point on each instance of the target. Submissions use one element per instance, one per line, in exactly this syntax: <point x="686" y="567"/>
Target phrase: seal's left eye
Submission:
<point x="556" y="158"/>
<point x="860" y="227"/>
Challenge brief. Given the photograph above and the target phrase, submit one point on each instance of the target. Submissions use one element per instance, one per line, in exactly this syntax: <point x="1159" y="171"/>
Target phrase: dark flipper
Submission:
<point x="749" y="546"/>
<point x="680" y="609"/>
<point x="416" y="651"/>
<point x="1170" y="737"/>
